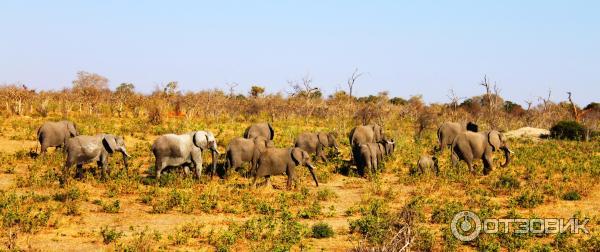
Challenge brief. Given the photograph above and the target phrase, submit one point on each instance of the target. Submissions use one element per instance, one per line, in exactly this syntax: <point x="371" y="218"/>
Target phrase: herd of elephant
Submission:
<point x="368" y="143"/>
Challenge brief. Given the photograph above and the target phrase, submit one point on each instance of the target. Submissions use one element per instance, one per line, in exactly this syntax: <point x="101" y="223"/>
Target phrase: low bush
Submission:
<point x="322" y="230"/>
<point x="569" y="130"/>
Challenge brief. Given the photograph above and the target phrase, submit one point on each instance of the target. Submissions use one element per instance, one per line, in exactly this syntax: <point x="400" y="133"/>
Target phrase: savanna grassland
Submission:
<point x="133" y="211"/>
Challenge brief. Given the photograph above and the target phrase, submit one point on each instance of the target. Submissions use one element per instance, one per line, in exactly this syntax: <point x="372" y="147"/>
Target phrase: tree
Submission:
<point x="171" y="88"/>
<point x="256" y="91"/>
<point x="86" y="81"/>
<point x="125" y="89"/>
<point x="355" y="75"/>
<point x="304" y="88"/>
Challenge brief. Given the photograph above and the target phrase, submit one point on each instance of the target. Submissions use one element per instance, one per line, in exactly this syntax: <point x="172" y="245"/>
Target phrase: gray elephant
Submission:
<point x="366" y="134"/>
<point x="367" y="158"/>
<point x="386" y="147"/>
<point x="363" y="134"/>
<point x="55" y="134"/>
<point x="449" y="130"/>
<point x="259" y="129"/>
<point x="184" y="150"/>
<point x="469" y="146"/>
<point x="84" y="149"/>
<point x="279" y="161"/>
<point x="242" y="150"/>
<point x="427" y="162"/>
<point x="316" y="143"/>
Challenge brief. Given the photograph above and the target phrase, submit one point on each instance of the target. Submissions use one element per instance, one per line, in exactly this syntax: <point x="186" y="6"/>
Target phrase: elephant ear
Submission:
<point x="110" y="144"/>
<point x="200" y="139"/>
<point x="72" y="129"/>
<point x="494" y="139"/>
<point x="297" y="155"/>
<point x="322" y="137"/>
<point x="271" y="130"/>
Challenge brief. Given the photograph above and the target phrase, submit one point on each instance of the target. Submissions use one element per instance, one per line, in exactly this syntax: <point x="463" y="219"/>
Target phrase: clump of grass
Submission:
<point x="326" y="194"/>
<point x="445" y="212"/>
<point x="374" y="223"/>
<point x="109" y="207"/>
<point x="528" y="199"/>
<point x="322" y="230"/>
<point x="507" y="181"/>
<point x="571" y="195"/>
<point x="110" y="235"/>
<point x="312" y="211"/>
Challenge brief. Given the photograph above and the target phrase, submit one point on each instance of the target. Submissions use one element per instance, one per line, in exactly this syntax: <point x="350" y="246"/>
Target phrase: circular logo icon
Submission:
<point x="465" y="226"/>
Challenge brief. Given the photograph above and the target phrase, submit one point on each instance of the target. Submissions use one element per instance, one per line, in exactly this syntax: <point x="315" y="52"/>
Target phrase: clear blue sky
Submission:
<point x="404" y="47"/>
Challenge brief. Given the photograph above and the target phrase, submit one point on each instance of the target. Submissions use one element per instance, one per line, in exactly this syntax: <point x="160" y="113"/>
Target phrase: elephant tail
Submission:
<point x="272" y="131"/>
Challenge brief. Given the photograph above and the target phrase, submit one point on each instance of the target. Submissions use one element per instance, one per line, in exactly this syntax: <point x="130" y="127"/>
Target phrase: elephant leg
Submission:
<point x="159" y="166"/>
<point x="487" y="164"/>
<point x="197" y="161"/>
<point x="79" y="173"/>
<point x="454" y="159"/>
<point x="290" y="179"/>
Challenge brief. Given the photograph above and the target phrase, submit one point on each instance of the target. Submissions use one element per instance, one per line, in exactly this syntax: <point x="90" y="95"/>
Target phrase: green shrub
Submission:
<point x="374" y="223"/>
<point x="445" y="213"/>
<point x="110" y="234"/>
<point x="322" y="230"/>
<point x="571" y="195"/>
<point x="528" y="199"/>
<point x="507" y="181"/>
<point x="570" y="130"/>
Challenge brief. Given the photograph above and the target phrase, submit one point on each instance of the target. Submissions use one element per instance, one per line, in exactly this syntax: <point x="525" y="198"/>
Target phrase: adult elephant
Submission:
<point x="449" y="130"/>
<point x="316" y="143"/>
<point x="367" y="158"/>
<point x="184" y="150"/>
<point x="259" y="129"/>
<point x="279" y="161"/>
<point x="364" y="134"/>
<point x="241" y="150"/>
<point x="469" y="146"/>
<point x="84" y="149"/>
<point x="55" y="134"/>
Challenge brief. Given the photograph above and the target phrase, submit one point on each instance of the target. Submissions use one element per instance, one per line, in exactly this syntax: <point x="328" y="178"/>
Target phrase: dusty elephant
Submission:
<point x="55" y="134"/>
<point x="84" y="149"/>
<point x="242" y="150"/>
<point x="367" y="158"/>
<point x="316" y="143"/>
<point x="449" y="130"/>
<point x="260" y="129"/>
<point x="427" y="162"/>
<point x="364" y="134"/>
<point x="279" y="161"/>
<point x="469" y="146"/>
<point x="385" y="147"/>
<point x="184" y="150"/>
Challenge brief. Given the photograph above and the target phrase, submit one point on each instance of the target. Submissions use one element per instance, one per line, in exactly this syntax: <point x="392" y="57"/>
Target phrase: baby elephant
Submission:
<point x="85" y="149"/>
<point x="427" y="162"/>
<point x="242" y="150"/>
<point x="279" y="161"/>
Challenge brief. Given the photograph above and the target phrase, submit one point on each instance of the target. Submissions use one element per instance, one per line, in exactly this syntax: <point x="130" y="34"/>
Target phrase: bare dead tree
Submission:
<point x="454" y="99"/>
<point x="545" y="101"/>
<point x="304" y="87"/>
<point x="232" y="86"/>
<point x="352" y="80"/>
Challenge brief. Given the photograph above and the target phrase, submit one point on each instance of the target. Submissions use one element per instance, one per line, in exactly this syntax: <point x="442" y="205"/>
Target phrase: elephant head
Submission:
<point x="206" y="140"/>
<point x="390" y="146"/>
<point x="113" y="143"/>
<point x="377" y="132"/>
<point x="262" y="143"/>
<point x="301" y="157"/>
<point x="497" y="141"/>
<point x="328" y="140"/>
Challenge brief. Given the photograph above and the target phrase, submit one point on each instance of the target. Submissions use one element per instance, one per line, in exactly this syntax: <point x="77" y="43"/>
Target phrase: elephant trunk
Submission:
<point x="215" y="154"/>
<point x="126" y="156"/>
<point x="312" y="172"/>
<point x="507" y="153"/>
